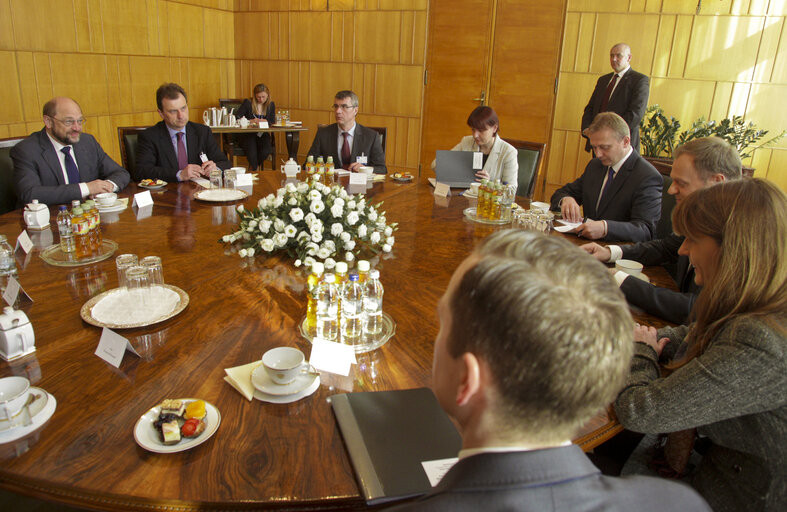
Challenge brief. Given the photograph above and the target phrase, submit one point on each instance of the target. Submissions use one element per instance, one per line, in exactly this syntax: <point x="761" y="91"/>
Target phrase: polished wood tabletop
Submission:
<point x="263" y="455"/>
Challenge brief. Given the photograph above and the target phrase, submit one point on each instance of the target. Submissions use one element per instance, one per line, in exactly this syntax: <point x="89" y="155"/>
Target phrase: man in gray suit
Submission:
<point x="60" y="163"/>
<point x="520" y="374"/>
<point x="350" y="144"/>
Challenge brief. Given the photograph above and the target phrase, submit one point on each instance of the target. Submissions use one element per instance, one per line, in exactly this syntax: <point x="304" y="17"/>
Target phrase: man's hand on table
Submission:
<point x="355" y="167"/>
<point x="599" y="252"/>
<point x="569" y="208"/>
<point x="99" y="187"/>
<point x="208" y="166"/>
<point x="191" y="171"/>
<point x="592" y="229"/>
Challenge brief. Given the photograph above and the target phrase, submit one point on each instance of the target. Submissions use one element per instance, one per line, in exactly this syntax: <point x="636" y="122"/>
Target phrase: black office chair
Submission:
<point x="127" y="136"/>
<point x="382" y="133"/>
<point x="664" y="227"/>
<point x="8" y="197"/>
<point x="529" y="155"/>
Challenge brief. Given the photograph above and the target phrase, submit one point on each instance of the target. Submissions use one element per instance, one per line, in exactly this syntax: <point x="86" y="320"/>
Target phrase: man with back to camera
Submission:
<point x="173" y="149"/>
<point x="349" y="143"/>
<point x="624" y="92"/>
<point x="519" y="377"/>
<point x="60" y="163"/>
<point x="619" y="190"/>
<point x="698" y="164"/>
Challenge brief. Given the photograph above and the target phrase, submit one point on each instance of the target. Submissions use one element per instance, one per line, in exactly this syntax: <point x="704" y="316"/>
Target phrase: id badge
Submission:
<point x="478" y="160"/>
<point x="363" y="159"/>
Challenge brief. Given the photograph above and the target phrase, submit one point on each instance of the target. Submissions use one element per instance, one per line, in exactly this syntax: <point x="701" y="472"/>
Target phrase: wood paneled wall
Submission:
<point x="111" y="55"/>
<point x="305" y="51"/>
<point x="730" y="58"/>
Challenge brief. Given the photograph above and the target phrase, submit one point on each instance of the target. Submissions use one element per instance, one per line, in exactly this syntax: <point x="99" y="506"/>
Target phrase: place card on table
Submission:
<point x="144" y="212"/>
<point x="112" y="347"/>
<point x="358" y="178"/>
<point x="202" y="182"/>
<point x="142" y="199"/>
<point x="11" y="291"/>
<point x="23" y="241"/>
<point x="332" y="357"/>
<point x="263" y="123"/>
<point x="243" y="179"/>
<point x="442" y="189"/>
<point x="567" y="226"/>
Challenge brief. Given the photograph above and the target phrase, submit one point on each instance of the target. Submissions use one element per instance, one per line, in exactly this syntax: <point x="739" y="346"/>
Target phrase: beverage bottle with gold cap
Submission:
<point x="483" y="197"/>
<point x="329" y="171"/>
<point x="80" y="227"/>
<point x="310" y="165"/>
<point x="311" y="294"/>
<point x="497" y="191"/>
<point x="94" y="219"/>
<point x="341" y="280"/>
<point x="319" y="168"/>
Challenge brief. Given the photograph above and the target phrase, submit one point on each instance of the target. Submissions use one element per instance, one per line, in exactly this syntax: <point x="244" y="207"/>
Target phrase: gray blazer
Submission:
<point x="326" y="143"/>
<point x="38" y="174"/>
<point x="735" y="394"/>
<point x="553" y="479"/>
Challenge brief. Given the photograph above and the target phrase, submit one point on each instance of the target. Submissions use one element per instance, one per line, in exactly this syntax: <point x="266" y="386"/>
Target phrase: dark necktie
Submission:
<point x="183" y="159"/>
<point x="608" y="184"/>
<point x="71" y="167"/>
<point x="608" y="93"/>
<point x="345" y="151"/>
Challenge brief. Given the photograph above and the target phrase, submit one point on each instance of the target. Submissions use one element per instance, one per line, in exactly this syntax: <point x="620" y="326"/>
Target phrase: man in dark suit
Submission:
<point x="176" y="149"/>
<point x="619" y="191"/>
<point x="60" y="163"/>
<point x="520" y="376"/>
<point x="350" y="144"/>
<point x="698" y="164"/>
<point x="624" y="92"/>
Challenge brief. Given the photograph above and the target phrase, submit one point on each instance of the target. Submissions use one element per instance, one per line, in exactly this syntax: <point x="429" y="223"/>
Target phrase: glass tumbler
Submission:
<point x="215" y="178"/>
<point x="155" y="272"/>
<point x="230" y="178"/>
<point x="123" y="262"/>
<point x="137" y="282"/>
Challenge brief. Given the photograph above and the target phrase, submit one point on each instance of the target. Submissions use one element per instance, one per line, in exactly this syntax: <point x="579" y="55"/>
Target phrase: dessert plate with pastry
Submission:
<point x="177" y="424"/>
<point x="152" y="184"/>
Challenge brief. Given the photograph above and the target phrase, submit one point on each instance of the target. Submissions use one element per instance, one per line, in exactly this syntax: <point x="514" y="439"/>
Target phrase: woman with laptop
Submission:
<point x="499" y="157"/>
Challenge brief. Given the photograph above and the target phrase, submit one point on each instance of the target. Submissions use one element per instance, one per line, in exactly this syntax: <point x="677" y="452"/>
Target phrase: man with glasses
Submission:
<point x="60" y="163"/>
<point x="350" y="144"/>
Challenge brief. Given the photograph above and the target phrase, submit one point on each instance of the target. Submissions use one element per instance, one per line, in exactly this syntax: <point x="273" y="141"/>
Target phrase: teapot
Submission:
<point x="36" y="215"/>
<point x="16" y="334"/>
<point x="291" y="168"/>
<point x="244" y="123"/>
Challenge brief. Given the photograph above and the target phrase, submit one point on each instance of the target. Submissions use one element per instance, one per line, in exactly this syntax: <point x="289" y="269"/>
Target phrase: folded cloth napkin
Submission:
<point x="239" y="378"/>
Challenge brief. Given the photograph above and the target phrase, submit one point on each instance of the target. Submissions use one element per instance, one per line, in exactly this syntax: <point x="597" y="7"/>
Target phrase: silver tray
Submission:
<point x="220" y="195"/>
<point x="87" y="309"/>
<point x="366" y="345"/>
<point x="54" y="256"/>
<point x="470" y="213"/>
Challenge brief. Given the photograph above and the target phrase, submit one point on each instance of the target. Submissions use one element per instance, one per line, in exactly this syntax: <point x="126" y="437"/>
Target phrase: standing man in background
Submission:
<point x="624" y="92"/>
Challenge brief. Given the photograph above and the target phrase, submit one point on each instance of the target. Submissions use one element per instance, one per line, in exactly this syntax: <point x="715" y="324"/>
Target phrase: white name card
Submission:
<point x="478" y="160"/>
<point x="264" y="123"/>
<point x="112" y="347"/>
<point x="358" y="178"/>
<point x="11" y="291"/>
<point x="332" y="357"/>
<point x="243" y="179"/>
<point x="442" y="189"/>
<point x="143" y="199"/>
<point x="23" y="241"/>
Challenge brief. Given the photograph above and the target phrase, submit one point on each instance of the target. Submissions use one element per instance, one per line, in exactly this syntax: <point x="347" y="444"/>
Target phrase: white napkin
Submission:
<point x="239" y="378"/>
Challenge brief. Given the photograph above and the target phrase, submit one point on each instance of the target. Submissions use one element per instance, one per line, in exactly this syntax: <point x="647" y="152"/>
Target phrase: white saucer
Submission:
<point x="262" y="382"/>
<point x="470" y="194"/>
<point x="40" y="412"/>
<point x="116" y="207"/>
<point x="286" y="399"/>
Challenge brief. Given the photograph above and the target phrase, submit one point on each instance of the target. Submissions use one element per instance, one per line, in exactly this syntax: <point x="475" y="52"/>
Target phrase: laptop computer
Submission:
<point x="455" y="168"/>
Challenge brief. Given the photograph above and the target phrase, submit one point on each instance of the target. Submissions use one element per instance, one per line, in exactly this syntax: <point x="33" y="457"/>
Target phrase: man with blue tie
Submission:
<point x="619" y="190"/>
<point x="176" y="149"/>
<point x="60" y="163"/>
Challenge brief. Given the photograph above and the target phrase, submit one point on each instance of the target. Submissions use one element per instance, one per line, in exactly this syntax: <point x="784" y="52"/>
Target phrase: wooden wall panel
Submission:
<point x="11" y="107"/>
<point x="6" y="34"/>
<point x="377" y="36"/>
<point x="125" y="24"/>
<point x="185" y="25"/>
<point x="712" y="56"/>
<point x="28" y="88"/>
<point x="27" y="18"/>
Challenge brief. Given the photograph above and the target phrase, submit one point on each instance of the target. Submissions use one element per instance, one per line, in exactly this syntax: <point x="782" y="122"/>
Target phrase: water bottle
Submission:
<point x="328" y="309"/>
<point x="373" y="304"/>
<point x="507" y="201"/>
<point x="352" y="311"/>
<point x="64" y="228"/>
<point x="7" y="262"/>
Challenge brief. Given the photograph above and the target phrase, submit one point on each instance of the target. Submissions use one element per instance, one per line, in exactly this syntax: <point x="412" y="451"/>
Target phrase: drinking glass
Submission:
<point x="215" y="178"/>
<point x="137" y="282"/>
<point x="230" y="178"/>
<point x="123" y="262"/>
<point x="155" y="272"/>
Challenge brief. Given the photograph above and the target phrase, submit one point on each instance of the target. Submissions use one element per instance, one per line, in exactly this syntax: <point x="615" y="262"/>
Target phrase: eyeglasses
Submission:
<point x="71" y="122"/>
<point x="344" y="107"/>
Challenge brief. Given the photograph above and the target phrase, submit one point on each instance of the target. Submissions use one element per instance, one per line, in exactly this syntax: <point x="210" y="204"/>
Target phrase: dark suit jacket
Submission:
<point x="156" y="158"/>
<point x="365" y="141"/>
<point x="629" y="100"/>
<point x="661" y="302"/>
<point x="38" y="174"/>
<point x="554" y="479"/>
<point x="631" y="207"/>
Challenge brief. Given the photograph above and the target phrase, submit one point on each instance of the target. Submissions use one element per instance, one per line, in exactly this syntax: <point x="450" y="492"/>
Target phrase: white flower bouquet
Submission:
<point x="313" y="222"/>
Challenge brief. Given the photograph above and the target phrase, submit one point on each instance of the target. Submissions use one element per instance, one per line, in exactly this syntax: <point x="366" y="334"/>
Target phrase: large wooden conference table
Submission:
<point x="263" y="455"/>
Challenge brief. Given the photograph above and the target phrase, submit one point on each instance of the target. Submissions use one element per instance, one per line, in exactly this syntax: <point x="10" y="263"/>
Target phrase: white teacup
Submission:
<point x="474" y="188"/>
<point x="106" y="198"/>
<point x="368" y="170"/>
<point x="629" y="266"/>
<point x="284" y="364"/>
<point x="13" y="396"/>
<point x="238" y="170"/>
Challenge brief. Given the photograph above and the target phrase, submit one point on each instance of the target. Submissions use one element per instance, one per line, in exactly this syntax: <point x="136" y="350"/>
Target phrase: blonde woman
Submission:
<point x="259" y="108"/>
<point x="726" y="373"/>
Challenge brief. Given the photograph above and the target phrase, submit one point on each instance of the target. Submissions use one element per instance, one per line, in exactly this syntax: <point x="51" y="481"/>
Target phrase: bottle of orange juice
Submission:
<point x="80" y="227"/>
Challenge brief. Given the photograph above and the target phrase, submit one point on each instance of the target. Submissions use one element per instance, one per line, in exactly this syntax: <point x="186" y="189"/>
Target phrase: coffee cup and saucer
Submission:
<point x="284" y="376"/>
<point x="23" y="408"/>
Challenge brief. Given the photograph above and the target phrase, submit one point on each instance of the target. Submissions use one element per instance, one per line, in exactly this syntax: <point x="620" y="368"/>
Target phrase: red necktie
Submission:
<point x="183" y="159"/>
<point x="345" y="151"/>
<point x="608" y="93"/>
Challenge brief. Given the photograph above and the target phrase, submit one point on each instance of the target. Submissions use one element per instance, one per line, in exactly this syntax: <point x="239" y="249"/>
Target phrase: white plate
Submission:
<point x="286" y="399"/>
<point x="218" y="195"/>
<point x="116" y="207"/>
<point x="146" y="435"/>
<point x="39" y="414"/>
<point x="35" y="408"/>
<point x="146" y="314"/>
<point x="153" y="187"/>
<point x="262" y="381"/>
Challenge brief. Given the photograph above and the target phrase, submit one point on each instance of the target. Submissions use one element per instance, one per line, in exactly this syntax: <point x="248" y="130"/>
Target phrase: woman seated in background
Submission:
<point x="257" y="146"/>
<point x="500" y="157"/>
<point x="726" y="373"/>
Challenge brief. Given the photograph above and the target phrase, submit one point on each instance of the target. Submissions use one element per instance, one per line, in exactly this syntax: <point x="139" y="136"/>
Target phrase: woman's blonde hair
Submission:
<point x="258" y="89"/>
<point x="748" y="219"/>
